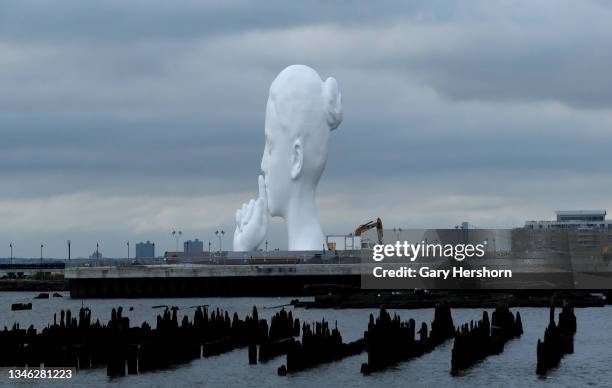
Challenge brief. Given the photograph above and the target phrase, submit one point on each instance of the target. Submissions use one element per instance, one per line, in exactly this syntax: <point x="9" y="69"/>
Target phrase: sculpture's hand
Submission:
<point x="252" y="221"/>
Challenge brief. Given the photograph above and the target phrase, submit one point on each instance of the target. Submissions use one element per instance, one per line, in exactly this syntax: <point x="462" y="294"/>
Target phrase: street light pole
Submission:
<point x="219" y="234"/>
<point x="68" y="242"/>
<point x="128" y="245"/>
<point x="176" y="235"/>
<point x="41" y="255"/>
<point x="11" y="245"/>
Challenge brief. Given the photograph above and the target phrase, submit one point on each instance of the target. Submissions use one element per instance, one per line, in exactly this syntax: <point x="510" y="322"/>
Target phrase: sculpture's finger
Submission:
<point x="249" y="211"/>
<point x="263" y="213"/>
<point x="238" y="219"/>
<point x="262" y="189"/>
<point x="240" y="212"/>
<point x="243" y="215"/>
<point x="237" y="240"/>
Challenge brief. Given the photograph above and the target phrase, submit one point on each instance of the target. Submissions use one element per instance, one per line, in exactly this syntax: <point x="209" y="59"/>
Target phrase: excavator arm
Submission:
<point x="370" y="225"/>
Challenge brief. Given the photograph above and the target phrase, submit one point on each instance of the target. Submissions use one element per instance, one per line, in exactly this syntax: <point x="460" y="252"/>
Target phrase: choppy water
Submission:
<point x="590" y="365"/>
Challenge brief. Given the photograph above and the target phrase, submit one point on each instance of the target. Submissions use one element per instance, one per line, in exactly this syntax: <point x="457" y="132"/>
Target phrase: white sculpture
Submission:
<point x="301" y="112"/>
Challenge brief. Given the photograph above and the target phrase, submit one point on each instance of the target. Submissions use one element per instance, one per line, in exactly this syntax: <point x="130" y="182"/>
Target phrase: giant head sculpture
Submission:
<point x="301" y="112"/>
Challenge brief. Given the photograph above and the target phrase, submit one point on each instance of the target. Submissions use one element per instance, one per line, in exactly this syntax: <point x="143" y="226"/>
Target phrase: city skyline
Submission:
<point x="576" y="218"/>
<point x="124" y="122"/>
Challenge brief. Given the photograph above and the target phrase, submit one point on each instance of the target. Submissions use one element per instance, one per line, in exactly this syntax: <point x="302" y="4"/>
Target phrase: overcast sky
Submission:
<point x="123" y="121"/>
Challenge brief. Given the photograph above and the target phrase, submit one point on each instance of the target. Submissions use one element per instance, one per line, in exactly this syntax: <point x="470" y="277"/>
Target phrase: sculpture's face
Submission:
<point x="276" y="164"/>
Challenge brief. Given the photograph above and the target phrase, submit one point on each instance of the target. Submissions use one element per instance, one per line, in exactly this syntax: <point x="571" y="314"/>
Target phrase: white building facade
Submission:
<point x="574" y="219"/>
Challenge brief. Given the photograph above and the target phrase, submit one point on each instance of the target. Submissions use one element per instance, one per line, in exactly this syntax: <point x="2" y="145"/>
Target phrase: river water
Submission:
<point x="590" y="365"/>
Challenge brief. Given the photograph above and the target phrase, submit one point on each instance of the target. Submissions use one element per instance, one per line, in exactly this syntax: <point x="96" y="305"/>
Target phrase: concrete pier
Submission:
<point x="207" y="280"/>
<point x="276" y="279"/>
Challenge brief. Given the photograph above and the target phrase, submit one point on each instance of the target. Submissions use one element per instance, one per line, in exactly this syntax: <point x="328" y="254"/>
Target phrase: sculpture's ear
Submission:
<point x="332" y="100"/>
<point x="297" y="158"/>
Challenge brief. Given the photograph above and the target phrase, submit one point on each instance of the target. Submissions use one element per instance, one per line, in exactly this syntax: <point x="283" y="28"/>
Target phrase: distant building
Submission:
<point x="574" y="219"/>
<point x="193" y="246"/>
<point x="465" y="225"/>
<point x="145" y="250"/>
<point x="576" y="233"/>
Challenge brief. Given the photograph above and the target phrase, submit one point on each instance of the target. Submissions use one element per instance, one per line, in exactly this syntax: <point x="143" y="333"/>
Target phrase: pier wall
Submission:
<point x="207" y="280"/>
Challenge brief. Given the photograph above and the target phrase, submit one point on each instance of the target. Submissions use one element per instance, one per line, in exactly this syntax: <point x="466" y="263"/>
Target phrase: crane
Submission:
<point x="370" y="225"/>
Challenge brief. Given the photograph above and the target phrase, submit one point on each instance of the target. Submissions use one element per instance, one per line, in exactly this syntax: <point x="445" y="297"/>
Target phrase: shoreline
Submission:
<point x="354" y="298"/>
<point x="16" y="285"/>
<point x="454" y="299"/>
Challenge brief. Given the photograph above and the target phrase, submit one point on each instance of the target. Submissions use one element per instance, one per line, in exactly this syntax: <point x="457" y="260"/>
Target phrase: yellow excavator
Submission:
<point x="370" y="225"/>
